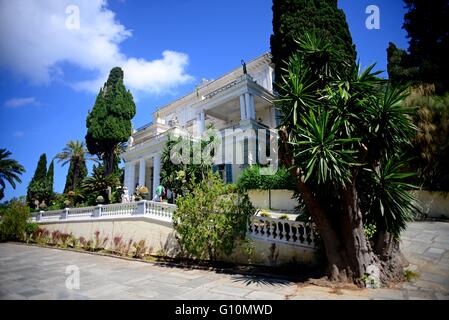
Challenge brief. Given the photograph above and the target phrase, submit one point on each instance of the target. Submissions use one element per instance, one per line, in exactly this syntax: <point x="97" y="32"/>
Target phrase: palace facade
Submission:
<point x="241" y="99"/>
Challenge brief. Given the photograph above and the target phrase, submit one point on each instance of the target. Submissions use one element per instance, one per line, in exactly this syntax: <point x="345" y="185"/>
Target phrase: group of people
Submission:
<point x="159" y="196"/>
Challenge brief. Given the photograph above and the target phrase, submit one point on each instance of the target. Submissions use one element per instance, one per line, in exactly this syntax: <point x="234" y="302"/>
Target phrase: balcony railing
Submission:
<point x="154" y="210"/>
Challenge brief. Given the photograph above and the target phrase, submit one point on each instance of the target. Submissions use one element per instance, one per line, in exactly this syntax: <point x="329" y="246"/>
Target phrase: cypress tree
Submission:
<point x="109" y="122"/>
<point x="82" y="173"/>
<point x="426" y="60"/>
<point x="293" y="18"/>
<point x="50" y="176"/>
<point x="37" y="189"/>
<point x="41" y="170"/>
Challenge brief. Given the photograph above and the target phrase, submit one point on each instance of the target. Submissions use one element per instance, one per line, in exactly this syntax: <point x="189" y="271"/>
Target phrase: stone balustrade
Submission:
<point x="281" y="230"/>
<point x="150" y="209"/>
<point x="259" y="228"/>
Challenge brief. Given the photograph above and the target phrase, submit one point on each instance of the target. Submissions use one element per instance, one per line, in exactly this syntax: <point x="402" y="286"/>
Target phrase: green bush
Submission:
<point x="30" y="228"/>
<point x="14" y="221"/>
<point x="253" y="178"/>
<point x="209" y="220"/>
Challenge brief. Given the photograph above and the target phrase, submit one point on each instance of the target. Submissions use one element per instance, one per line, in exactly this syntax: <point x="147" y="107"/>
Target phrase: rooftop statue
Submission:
<point x="244" y="67"/>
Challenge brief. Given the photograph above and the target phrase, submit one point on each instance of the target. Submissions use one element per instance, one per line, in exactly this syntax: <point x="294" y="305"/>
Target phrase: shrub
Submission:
<point x="30" y="229"/>
<point x="55" y="237"/>
<point x="139" y="249"/>
<point x="253" y="178"/>
<point x="283" y="217"/>
<point x="209" y="220"/>
<point x="14" y="221"/>
<point x="118" y="245"/>
<point x="41" y="236"/>
<point x="127" y="248"/>
<point x="99" y="242"/>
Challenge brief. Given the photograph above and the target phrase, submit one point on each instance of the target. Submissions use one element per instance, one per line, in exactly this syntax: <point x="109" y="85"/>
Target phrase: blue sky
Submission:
<point x="51" y="73"/>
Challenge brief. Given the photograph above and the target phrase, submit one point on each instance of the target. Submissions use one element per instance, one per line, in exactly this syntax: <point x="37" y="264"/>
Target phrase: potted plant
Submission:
<point x="100" y="199"/>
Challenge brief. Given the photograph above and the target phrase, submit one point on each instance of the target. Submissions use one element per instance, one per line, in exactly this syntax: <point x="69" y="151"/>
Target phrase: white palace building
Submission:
<point x="241" y="99"/>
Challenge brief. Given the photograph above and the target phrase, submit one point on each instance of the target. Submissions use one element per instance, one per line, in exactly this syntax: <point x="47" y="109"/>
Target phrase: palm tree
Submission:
<point x="76" y="154"/>
<point x="9" y="171"/>
<point x="99" y="183"/>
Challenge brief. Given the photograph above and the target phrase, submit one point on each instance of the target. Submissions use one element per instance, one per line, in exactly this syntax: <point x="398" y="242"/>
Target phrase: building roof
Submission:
<point x="208" y="86"/>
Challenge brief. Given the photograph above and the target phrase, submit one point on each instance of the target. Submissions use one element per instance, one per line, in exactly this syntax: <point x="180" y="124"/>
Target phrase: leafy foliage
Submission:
<point x="251" y="178"/>
<point x="109" y="122"/>
<point x="10" y="171"/>
<point x="51" y="176"/>
<point x="181" y="164"/>
<point x="14" y="221"/>
<point x="430" y="146"/>
<point x="389" y="205"/>
<point x="74" y="154"/>
<point x="426" y="60"/>
<point x="40" y="189"/>
<point x="342" y="121"/>
<point x="210" y="219"/>
<point x="98" y="184"/>
<point x="292" y="19"/>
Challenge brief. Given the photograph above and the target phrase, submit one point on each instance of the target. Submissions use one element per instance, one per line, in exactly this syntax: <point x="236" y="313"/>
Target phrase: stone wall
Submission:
<point x="434" y="204"/>
<point x="160" y="235"/>
<point x="280" y="199"/>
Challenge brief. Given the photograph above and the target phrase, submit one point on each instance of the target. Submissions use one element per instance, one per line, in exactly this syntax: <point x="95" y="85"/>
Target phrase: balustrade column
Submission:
<point x="65" y="214"/>
<point x="98" y="209"/>
<point x="141" y="207"/>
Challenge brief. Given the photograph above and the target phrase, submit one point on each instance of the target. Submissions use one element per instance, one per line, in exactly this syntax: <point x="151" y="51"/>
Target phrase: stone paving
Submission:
<point x="29" y="272"/>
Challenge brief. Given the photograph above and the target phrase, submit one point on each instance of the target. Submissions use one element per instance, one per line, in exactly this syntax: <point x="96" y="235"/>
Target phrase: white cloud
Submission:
<point x="19" y="134"/>
<point x="34" y="41"/>
<point x="19" y="102"/>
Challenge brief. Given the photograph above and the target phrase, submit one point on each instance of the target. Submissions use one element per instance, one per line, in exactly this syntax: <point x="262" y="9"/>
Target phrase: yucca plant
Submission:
<point x="341" y="131"/>
<point x="389" y="204"/>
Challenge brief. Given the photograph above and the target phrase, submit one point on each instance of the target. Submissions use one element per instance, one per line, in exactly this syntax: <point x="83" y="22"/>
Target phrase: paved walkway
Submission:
<point x="28" y="272"/>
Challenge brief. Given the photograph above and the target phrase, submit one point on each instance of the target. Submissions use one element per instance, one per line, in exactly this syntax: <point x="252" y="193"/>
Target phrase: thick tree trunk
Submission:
<point x="75" y="176"/>
<point x="347" y="250"/>
<point x="357" y="247"/>
<point x="109" y="163"/>
<point x="393" y="261"/>
<point x="332" y="244"/>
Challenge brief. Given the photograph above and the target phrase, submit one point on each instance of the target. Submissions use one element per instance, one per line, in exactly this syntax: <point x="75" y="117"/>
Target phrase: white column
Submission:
<point x="201" y="122"/>
<point x="249" y="101"/>
<point x="252" y="106"/>
<point x="142" y="167"/>
<point x="273" y="116"/>
<point x="270" y="79"/>
<point x="156" y="172"/>
<point x="247" y="105"/>
<point x="242" y="107"/>
<point x="130" y="177"/>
